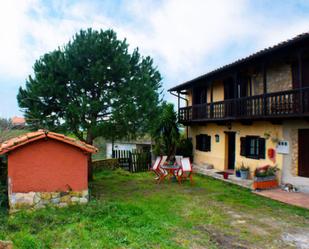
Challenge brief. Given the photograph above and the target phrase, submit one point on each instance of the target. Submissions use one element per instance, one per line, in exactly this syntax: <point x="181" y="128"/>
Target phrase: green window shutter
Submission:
<point x="208" y="143"/>
<point x="203" y="143"/>
<point x="243" y="145"/>
<point x="198" y="142"/>
<point x="262" y="148"/>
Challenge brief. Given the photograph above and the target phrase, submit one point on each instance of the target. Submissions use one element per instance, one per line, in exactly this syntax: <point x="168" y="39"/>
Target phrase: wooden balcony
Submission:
<point x="278" y="105"/>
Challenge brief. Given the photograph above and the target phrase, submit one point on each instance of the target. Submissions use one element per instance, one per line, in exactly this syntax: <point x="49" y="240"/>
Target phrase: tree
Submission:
<point x="166" y="132"/>
<point x="5" y="124"/>
<point x="92" y="85"/>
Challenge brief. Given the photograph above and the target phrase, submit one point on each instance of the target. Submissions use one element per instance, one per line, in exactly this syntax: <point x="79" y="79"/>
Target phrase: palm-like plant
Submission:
<point x="166" y="133"/>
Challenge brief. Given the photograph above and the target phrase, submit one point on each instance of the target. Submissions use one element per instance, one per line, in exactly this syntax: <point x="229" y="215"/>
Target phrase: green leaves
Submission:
<point x="166" y="132"/>
<point x="92" y="84"/>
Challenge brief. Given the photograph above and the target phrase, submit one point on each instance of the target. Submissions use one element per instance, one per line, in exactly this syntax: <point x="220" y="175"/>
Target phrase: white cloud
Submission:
<point x="186" y="38"/>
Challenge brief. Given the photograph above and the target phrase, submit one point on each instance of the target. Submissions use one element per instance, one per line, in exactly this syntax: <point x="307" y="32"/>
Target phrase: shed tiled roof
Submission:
<point x="16" y="142"/>
<point x="18" y="120"/>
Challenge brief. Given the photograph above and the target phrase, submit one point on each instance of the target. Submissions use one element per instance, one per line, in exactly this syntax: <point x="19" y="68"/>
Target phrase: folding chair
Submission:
<point x="163" y="173"/>
<point x="185" y="171"/>
<point x="156" y="167"/>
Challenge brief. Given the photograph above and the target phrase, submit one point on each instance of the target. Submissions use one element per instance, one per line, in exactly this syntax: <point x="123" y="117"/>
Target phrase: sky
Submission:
<point x="186" y="38"/>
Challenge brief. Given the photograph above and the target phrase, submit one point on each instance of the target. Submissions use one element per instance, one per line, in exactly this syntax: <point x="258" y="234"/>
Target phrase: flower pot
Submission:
<point x="244" y="174"/>
<point x="237" y="173"/>
<point x="225" y="175"/>
<point x="265" y="184"/>
<point x="264" y="178"/>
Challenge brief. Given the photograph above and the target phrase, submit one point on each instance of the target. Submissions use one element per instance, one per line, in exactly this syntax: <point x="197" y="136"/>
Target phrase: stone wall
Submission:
<point x="257" y="84"/>
<point x="294" y="150"/>
<point x="279" y="78"/>
<point x="35" y="200"/>
<point x="110" y="163"/>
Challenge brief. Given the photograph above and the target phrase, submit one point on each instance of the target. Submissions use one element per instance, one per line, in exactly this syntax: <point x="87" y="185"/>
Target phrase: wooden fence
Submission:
<point x="133" y="161"/>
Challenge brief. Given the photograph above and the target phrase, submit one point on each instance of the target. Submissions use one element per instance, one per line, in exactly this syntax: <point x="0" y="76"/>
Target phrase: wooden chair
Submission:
<point x="185" y="171"/>
<point x="177" y="162"/>
<point x="156" y="167"/>
<point x="163" y="173"/>
<point x="178" y="159"/>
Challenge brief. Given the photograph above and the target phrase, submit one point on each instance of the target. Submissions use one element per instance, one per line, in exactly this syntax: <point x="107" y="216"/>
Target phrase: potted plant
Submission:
<point x="244" y="172"/>
<point x="265" y="177"/>
<point x="237" y="172"/>
<point x="225" y="175"/>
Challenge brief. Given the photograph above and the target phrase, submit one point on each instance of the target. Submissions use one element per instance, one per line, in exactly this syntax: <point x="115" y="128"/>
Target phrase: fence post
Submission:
<point x="130" y="162"/>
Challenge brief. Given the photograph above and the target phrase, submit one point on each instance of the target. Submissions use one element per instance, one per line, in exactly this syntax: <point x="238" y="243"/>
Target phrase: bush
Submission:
<point x="185" y="148"/>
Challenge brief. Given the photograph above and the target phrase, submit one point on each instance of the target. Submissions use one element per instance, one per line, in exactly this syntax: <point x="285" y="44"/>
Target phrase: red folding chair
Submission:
<point x="185" y="171"/>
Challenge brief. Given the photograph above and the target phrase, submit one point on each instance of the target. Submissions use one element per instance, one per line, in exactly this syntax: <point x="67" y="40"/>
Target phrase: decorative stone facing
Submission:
<point x="35" y="200"/>
<point x="279" y="78"/>
<point x="294" y="146"/>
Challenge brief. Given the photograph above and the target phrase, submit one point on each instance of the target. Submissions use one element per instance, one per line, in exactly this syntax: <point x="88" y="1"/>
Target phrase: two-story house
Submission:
<point x="253" y="111"/>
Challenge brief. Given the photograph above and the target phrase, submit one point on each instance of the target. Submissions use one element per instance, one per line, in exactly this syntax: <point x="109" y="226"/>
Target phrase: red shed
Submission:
<point x="46" y="168"/>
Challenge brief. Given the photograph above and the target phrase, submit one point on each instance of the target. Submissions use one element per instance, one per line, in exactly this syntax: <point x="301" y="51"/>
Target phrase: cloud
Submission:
<point x="186" y="38"/>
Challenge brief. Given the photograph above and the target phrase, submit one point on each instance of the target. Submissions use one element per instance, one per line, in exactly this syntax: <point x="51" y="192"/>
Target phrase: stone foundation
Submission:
<point x="35" y="200"/>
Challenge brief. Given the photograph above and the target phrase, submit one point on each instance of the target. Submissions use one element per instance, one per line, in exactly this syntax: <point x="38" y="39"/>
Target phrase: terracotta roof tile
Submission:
<point x="18" y="120"/>
<point x="13" y="143"/>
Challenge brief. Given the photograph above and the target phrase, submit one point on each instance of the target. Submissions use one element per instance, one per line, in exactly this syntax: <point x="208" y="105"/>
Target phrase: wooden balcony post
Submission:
<point x="264" y="71"/>
<point x="211" y="110"/>
<point x="300" y="77"/>
<point x="235" y="108"/>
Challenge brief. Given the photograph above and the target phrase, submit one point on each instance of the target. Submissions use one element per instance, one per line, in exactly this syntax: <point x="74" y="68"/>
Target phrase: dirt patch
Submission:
<point x="6" y="244"/>
<point x="224" y="241"/>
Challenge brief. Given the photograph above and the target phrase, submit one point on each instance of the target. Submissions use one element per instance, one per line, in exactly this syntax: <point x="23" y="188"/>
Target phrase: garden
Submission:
<point x="128" y="210"/>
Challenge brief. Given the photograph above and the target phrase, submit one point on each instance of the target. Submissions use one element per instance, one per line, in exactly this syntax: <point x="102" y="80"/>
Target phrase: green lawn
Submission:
<point x="131" y="211"/>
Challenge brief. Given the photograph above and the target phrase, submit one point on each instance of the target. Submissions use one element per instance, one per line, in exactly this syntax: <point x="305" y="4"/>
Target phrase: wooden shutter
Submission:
<point x="207" y="143"/>
<point x="203" y="143"/>
<point x="262" y="148"/>
<point x="243" y="145"/>
<point x="198" y="142"/>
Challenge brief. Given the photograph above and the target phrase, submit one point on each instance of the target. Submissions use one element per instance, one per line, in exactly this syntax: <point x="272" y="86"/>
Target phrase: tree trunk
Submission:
<point x="90" y="173"/>
<point x="89" y="140"/>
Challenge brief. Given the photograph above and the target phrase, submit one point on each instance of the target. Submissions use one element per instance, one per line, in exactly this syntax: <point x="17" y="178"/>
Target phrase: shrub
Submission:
<point x="266" y="171"/>
<point x="111" y="163"/>
<point x="185" y="148"/>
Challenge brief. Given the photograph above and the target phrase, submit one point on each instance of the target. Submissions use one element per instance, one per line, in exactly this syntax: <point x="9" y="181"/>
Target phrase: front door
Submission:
<point x="230" y="150"/>
<point x="303" y="152"/>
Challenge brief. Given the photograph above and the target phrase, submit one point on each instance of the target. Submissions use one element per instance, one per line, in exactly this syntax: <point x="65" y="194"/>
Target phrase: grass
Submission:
<point x="130" y="211"/>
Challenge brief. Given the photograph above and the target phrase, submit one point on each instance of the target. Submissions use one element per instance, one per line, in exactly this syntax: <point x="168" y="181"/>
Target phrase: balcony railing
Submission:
<point x="291" y="103"/>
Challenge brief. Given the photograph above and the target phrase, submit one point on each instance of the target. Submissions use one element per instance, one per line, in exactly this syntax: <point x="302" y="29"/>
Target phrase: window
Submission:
<point x="203" y="142"/>
<point x="252" y="147"/>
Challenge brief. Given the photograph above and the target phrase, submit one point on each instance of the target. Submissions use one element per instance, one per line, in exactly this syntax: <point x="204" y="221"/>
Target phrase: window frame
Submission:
<point x="203" y="143"/>
<point x="255" y="143"/>
<point x="256" y="147"/>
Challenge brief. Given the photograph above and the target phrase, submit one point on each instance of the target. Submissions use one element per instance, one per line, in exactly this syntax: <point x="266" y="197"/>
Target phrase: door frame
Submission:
<point x="303" y="166"/>
<point x="228" y="150"/>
